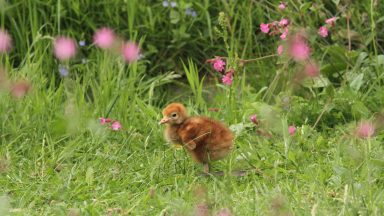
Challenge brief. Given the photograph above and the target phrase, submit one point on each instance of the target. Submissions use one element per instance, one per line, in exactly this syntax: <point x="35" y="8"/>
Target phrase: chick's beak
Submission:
<point x="164" y="120"/>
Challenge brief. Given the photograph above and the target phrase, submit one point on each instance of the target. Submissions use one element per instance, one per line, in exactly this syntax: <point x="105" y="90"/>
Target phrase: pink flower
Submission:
<point x="365" y="129"/>
<point x="131" y="52"/>
<point x="291" y="130"/>
<point x="64" y="48"/>
<point x="311" y="69"/>
<point x="280" y="49"/>
<point x="104" y="120"/>
<point x="264" y="28"/>
<point x="283" y="36"/>
<point x="116" y="126"/>
<point x="5" y="41"/>
<point x="20" y="88"/>
<point x="323" y="31"/>
<point x="298" y="48"/>
<point x="218" y="64"/>
<point x="282" y="5"/>
<point x="228" y="78"/>
<point x="201" y="209"/>
<point x="104" y="38"/>
<point x="331" y="21"/>
<point x="253" y="119"/>
<point x="283" y="22"/>
<point x="224" y="212"/>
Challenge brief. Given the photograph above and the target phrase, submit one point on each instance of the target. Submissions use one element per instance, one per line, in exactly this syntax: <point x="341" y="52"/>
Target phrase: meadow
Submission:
<point x="300" y="83"/>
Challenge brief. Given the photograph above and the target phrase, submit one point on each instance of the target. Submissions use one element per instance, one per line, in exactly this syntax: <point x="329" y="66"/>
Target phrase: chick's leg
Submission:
<point x="206" y="167"/>
<point x="190" y="145"/>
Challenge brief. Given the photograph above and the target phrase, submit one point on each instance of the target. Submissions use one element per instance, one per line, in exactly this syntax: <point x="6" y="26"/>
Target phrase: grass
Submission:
<point x="56" y="159"/>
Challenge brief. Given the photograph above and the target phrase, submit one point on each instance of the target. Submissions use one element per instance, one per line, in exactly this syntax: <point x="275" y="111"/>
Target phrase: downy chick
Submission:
<point x="204" y="138"/>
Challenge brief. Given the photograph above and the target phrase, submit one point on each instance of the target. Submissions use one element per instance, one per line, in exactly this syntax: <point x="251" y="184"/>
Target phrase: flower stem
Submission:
<point x="373" y="27"/>
<point x="113" y="105"/>
<point x="244" y="60"/>
<point x="257" y="59"/>
<point x="349" y="32"/>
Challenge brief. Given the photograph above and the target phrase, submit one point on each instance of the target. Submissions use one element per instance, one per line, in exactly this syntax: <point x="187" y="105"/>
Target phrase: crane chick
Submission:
<point x="205" y="139"/>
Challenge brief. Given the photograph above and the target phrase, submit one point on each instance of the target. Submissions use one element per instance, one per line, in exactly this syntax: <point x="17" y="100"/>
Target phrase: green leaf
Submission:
<point x="336" y="2"/>
<point x="174" y="16"/>
<point x="360" y="110"/>
<point x="337" y="53"/>
<point x="237" y="128"/>
<point x="316" y="82"/>
<point x="381" y="19"/>
<point x="380" y="59"/>
<point x="330" y="69"/>
<point x="357" y="82"/>
<point x="89" y="176"/>
<point x="292" y="157"/>
<point x="304" y="7"/>
<point x="360" y="60"/>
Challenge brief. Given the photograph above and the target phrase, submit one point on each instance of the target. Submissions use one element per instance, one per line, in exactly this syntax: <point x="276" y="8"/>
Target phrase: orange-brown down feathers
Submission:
<point x="204" y="138"/>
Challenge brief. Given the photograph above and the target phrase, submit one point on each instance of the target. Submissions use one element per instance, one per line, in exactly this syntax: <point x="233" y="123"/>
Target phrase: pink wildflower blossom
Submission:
<point x="298" y="48"/>
<point x="365" y="129"/>
<point x="283" y="22"/>
<point x="64" y="48"/>
<point x="283" y="36"/>
<point x="292" y="130"/>
<point x="201" y="209"/>
<point x="104" y="38"/>
<point x="104" y="120"/>
<point x="116" y="126"/>
<point x="282" y="5"/>
<point x="131" y="52"/>
<point x="280" y="49"/>
<point x="218" y="64"/>
<point x="20" y="88"/>
<point x="331" y="21"/>
<point x="228" y="78"/>
<point x="224" y="212"/>
<point x="5" y="41"/>
<point x="264" y="28"/>
<point x="323" y="31"/>
<point x="253" y="119"/>
<point x="311" y="69"/>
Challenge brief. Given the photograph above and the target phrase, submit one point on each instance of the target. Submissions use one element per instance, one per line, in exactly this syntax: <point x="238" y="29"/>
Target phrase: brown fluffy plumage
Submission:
<point x="204" y="138"/>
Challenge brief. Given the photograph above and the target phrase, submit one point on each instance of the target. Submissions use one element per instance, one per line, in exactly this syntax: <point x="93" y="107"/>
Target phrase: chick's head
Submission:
<point x="174" y="114"/>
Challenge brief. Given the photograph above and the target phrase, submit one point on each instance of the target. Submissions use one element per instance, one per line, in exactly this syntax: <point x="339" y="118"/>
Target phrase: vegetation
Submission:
<point x="314" y="144"/>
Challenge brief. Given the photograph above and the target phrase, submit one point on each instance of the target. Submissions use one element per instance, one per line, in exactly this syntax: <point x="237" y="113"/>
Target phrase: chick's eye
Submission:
<point x="173" y="115"/>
